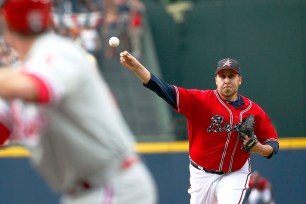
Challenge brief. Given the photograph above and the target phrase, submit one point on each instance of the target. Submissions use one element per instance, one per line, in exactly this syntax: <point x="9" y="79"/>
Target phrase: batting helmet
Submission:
<point x="27" y="16"/>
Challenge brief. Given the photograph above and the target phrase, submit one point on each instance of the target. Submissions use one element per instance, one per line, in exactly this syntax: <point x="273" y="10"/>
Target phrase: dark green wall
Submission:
<point x="268" y="37"/>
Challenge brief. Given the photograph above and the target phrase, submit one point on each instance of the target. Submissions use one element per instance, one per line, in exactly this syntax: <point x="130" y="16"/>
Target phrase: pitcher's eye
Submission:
<point x="231" y="76"/>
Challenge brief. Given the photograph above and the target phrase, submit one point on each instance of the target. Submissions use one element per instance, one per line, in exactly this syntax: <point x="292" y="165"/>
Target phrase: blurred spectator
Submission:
<point x="62" y="30"/>
<point x="137" y="5"/>
<point x="93" y="5"/>
<point x="74" y="34"/>
<point x="8" y="57"/>
<point x="260" y="190"/>
<point x="90" y="40"/>
<point x="69" y="6"/>
<point x="136" y="27"/>
<point x="123" y="9"/>
<point x="77" y="6"/>
<point x="81" y="21"/>
<point x="121" y="18"/>
<point x="111" y="28"/>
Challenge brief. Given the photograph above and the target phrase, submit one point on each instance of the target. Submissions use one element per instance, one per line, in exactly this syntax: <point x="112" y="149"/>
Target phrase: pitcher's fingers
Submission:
<point x="124" y="53"/>
<point x="122" y="60"/>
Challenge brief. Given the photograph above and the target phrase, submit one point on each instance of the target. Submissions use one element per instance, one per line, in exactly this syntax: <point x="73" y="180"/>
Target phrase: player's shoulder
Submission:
<point x="51" y="44"/>
<point x="255" y="107"/>
<point x="195" y="92"/>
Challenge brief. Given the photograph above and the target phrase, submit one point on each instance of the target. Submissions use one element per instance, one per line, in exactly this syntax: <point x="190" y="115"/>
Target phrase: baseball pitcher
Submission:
<point x="224" y="128"/>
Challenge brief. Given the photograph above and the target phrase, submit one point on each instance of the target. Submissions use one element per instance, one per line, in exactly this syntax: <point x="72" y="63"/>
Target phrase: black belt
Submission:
<point x="206" y="170"/>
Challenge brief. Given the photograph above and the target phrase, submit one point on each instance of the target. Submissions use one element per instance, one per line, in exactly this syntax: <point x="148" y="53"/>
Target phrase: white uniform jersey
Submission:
<point x="79" y="130"/>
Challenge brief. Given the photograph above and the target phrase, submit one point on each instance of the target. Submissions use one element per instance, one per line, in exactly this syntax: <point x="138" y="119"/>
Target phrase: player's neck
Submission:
<point x="230" y="98"/>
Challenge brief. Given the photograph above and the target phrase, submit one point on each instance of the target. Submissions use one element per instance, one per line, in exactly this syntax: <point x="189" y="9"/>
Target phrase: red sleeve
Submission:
<point x="265" y="130"/>
<point x="189" y="101"/>
<point x="4" y="133"/>
<point x="42" y="89"/>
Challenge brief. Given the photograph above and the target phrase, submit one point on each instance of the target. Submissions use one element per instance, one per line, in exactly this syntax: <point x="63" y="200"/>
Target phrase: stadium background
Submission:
<point x="182" y="42"/>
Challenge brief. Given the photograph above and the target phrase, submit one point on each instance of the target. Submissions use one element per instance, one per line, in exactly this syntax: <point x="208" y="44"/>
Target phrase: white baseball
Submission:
<point x="114" y="42"/>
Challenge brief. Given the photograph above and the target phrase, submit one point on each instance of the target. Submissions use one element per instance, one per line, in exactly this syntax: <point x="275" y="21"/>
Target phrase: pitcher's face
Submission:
<point x="228" y="82"/>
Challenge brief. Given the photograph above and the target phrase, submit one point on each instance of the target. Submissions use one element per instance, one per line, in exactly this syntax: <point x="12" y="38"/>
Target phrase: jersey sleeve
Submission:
<point x="41" y="88"/>
<point x="266" y="133"/>
<point x="189" y="101"/>
<point x="162" y="89"/>
<point x="54" y="77"/>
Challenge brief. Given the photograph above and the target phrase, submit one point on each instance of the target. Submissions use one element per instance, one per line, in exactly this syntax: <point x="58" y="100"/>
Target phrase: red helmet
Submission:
<point x="27" y="16"/>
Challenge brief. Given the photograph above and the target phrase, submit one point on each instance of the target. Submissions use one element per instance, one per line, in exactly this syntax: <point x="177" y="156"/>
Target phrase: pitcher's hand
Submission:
<point x="129" y="61"/>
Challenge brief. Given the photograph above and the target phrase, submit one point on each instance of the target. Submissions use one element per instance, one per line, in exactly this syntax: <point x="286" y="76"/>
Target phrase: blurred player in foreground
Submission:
<point x="260" y="190"/>
<point x="219" y="158"/>
<point x="64" y="113"/>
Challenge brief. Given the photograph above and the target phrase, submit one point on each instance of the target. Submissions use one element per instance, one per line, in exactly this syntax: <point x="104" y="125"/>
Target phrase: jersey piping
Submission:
<point x="246" y="183"/>
<point x="230" y="132"/>
<point x="240" y="119"/>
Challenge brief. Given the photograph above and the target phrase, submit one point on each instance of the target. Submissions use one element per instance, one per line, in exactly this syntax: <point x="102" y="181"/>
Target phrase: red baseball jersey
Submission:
<point x="213" y="128"/>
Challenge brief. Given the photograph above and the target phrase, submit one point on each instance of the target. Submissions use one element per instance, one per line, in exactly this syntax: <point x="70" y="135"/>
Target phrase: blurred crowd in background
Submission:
<point x="91" y="23"/>
<point x="7" y="55"/>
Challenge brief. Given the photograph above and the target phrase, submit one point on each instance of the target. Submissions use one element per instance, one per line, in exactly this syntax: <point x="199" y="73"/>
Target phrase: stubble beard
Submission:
<point x="228" y="94"/>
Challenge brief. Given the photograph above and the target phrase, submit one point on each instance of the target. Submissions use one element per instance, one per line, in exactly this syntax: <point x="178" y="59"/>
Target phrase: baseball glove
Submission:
<point x="247" y="128"/>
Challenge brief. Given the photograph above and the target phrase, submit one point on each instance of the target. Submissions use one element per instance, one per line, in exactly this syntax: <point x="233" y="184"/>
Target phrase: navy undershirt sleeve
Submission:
<point x="163" y="90"/>
<point x="275" y="147"/>
<point x="167" y="92"/>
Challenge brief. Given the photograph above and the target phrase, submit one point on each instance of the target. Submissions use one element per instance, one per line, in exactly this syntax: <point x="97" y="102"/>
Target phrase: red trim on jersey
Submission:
<point x="245" y="188"/>
<point x="4" y="133"/>
<point x="129" y="162"/>
<point x="108" y="194"/>
<point x="42" y="89"/>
